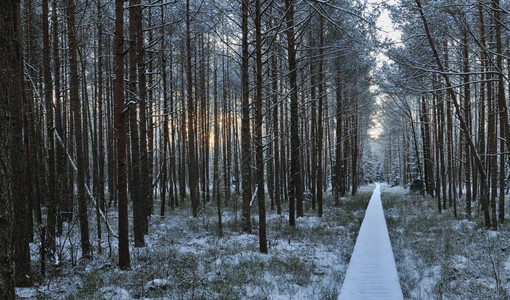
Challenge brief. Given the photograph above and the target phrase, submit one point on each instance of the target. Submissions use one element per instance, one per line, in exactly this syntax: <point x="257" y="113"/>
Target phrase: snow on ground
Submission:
<point x="372" y="273"/>
<point x="185" y="259"/>
<point x="437" y="256"/>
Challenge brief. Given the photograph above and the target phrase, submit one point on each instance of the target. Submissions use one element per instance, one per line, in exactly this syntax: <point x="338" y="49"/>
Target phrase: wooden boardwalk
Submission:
<point x="372" y="273"/>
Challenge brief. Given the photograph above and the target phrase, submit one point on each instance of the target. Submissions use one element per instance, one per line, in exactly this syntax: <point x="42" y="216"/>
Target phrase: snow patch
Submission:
<point x="459" y="262"/>
<point x="162" y="284"/>
<point x="27" y="293"/>
<point x="114" y="293"/>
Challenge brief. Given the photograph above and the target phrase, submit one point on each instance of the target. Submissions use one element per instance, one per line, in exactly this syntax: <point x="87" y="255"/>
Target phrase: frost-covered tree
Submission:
<point x="451" y="63"/>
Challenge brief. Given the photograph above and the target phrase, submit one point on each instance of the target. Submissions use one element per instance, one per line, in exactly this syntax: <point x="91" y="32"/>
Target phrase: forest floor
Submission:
<point x="437" y="256"/>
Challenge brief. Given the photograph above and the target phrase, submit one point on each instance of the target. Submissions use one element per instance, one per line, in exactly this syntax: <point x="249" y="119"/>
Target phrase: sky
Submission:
<point x="384" y="24"/>
<point x="386" y="31"/>
<point x="384" y="21"/>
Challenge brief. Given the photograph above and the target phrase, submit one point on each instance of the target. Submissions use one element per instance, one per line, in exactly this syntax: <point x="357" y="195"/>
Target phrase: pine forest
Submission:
<point x="227" y="149"/>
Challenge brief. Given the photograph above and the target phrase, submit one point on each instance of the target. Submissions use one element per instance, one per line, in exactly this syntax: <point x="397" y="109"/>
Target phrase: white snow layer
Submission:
<point x="372" y="273"/>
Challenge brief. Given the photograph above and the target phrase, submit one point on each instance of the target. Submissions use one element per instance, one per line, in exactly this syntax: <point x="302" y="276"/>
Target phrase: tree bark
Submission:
<point x="276" y="135"/>
<point x="438" y="140"/>
<point x="77" y="118"/>
<point x="60" y="127"/>
<point x="259" y="147"/>
<point x="121" y="135"/>
<point x="193" y="161"/>
<point x="313" y="121"/>
<point x="216" y="160"/>
<point x="100" y="127"/>
<point x="135" y="184"/>
<point x="50" y="158"/>
<point x="502" y="107"/>
<point x="467" y="109"/>
<point x="295" y="192"/>
<point x="165" y="132"/>
<point x="245" y="123"/>
<point x="338" y="168"/>
<point x="427" y="157"/>
<point x="10" y="92"/>
<point x="320" y="130"/>
<point x="145" y="176"/>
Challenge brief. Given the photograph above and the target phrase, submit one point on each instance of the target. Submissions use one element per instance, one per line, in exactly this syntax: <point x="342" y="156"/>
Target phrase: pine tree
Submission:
<point x="10" y="91"/>
<point x="121" y="136"/>
<point x="245" y="122"/>
<point x="77" y="117"/>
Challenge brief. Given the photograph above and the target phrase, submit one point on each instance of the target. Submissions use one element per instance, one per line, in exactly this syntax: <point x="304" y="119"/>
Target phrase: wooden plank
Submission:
<point x="372" y="273"/>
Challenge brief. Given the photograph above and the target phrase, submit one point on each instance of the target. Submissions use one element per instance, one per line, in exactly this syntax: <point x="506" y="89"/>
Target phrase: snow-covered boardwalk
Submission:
<point x="372" y="273"/>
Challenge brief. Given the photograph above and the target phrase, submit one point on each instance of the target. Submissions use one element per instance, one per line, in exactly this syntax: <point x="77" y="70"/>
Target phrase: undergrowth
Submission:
<point x="440" y="256"/>
<point x="185" y="259"/>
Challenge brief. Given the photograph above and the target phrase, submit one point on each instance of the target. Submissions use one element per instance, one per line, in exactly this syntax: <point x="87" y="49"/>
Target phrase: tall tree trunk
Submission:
<point x="482" y="118"/>
<point x="345" y="157"/>
<point x="295" y="192"/>
<point x="93" y="131"/>
<point x="204" y="133"/>
<point x="259" y="147"/>
<point x="276" y="135"/>
<point x="100" y="128"/>
<point x="492" y="129"/>
<point x="111" y="143"/>
<point x="193" y="161"/>
<point x="442" y="136"/>
<point x="11" y="79"/>
<point x="427" y="157"/>
<point x="50" y="158"/>
<point x="174" y="134"/>
<point x="145" y="176"/>
<point x="227" y="181"/>
<point x="33" y="139"/>
<point x="502" y="177"/>
<point x="270" y="130"/>
<point x="121" y="136"/>
<point x="183" y="137"/>
<point x="313" y="121"/>
<point x="245" y="122"/>
<point x="502" y="106"/>
<point x="80" y="147"/>
<point x="284" y="148"/>
<point x="135" y="184"/>
<point x="467" y="109"/>
<point x="416" y="149"/>
<point x="165" y="131"/>
<point x="149" y="102"/>
<point x="216" y="160"/>
<point x="62" y="162"/>
<point x="492" y="141"/>
<point x="320" y="133"/>
<point x="450" y="164"/>
<point x="339" y="135"/>
<point x="438" y="140"/>
<point x="355" y="150"/>
<point x="23" y="148"/>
